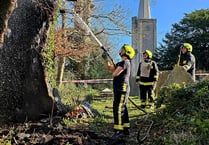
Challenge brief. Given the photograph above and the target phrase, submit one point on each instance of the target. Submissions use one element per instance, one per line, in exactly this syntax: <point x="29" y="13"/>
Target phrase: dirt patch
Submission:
<point x="44" y="132"/>
<point x="57" y="133"/>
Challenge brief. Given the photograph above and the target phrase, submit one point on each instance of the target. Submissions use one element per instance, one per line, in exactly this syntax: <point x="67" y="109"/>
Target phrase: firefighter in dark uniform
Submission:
<point x="121" y="88"/>
<point x="187" y="59"/>
<point x="147" y="76"/>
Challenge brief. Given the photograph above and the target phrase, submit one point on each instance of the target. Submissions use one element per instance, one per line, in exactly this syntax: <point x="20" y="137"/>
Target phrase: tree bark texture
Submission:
<point x="6" y="9"/>
<point x="24" y="93"/>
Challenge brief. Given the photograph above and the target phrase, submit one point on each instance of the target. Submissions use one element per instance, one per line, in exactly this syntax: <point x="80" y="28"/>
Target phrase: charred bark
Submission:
<point x="23" y="90"/>
<point x="6" y="7"/>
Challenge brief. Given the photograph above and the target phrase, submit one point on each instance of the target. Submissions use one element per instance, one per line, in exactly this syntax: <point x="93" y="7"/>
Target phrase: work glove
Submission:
<point x="103" y="48"/>
<point x="105" y="55"/>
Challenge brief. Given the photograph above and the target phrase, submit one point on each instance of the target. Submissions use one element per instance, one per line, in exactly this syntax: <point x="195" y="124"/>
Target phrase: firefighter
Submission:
<point x="121" y="88"/>
<point x="147" y="76"/>
<point x="187" y="60"/>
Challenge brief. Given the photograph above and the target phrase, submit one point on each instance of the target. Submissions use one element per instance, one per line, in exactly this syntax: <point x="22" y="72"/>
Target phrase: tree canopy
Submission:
<point x="194" y="29"/>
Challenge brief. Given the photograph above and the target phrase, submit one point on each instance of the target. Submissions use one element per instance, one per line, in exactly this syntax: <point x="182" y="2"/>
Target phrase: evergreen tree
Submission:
<point x="194" y="29"/>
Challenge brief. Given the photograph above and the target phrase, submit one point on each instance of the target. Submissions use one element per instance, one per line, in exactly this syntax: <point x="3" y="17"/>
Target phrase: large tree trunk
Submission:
<point x="23" y="90"/>
<point x="6" y="9"/>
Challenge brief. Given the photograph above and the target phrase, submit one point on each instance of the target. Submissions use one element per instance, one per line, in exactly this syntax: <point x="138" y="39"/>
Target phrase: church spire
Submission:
<point x="144" y="10"/>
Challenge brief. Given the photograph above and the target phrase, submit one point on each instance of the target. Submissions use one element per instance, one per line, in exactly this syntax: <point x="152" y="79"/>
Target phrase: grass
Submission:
<point x="178" y="120"/>
<point x="103" y="124"/>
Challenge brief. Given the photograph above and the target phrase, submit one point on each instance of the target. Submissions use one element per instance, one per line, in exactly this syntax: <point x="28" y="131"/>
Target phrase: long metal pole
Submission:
<point x="86" y="27"/>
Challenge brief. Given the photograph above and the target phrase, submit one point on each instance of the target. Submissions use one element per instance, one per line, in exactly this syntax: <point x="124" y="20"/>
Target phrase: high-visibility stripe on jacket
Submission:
<point x="147" y="72"/>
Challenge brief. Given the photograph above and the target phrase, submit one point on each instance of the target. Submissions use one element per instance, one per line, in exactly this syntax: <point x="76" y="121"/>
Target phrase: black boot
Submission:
<point x="126" y="132"/>
<point x="117" y="135"/>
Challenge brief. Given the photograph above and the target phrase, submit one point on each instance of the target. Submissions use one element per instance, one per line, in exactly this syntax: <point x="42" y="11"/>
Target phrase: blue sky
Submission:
<point x="167" y="12"/>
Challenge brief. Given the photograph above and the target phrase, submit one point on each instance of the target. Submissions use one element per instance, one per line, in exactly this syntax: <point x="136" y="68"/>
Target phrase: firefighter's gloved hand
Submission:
<point x="103" y="48"/>
<point x="105" y="55"/>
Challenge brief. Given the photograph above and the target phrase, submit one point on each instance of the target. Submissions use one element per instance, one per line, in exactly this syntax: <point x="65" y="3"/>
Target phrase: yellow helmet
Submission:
<point x="188" y="46"/>
<point x="130" y="52"/>
<point x="149" y="53"/>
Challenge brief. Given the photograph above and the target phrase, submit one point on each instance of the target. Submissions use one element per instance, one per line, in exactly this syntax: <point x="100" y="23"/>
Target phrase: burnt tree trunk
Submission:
<point x="23" y="90"/>
<point x="6" y="9"/>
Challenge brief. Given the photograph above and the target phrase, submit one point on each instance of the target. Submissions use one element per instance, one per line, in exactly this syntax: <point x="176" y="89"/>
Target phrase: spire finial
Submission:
<point x="144" y="10"/>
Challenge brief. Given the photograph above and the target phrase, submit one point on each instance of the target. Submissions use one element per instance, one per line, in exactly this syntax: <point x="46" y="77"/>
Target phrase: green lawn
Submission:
<point x="103" y="124"/>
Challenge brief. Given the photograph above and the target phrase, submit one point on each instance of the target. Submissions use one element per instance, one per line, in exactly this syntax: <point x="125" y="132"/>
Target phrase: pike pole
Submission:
<point x="82" y="24"/>
<point x="80" y="21"/>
